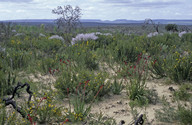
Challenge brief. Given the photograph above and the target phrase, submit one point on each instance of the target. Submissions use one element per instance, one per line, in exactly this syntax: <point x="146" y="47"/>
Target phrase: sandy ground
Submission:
<point x="117" y="106"/>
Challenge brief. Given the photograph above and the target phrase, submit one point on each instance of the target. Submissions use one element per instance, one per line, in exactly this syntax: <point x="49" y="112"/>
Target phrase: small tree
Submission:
<point x="148" y="21"/>
<point x="171" y="27"/>
<point x="69" y="20"/>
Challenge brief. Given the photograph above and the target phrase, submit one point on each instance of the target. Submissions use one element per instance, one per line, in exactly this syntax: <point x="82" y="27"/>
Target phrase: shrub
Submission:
<point x="7" y="81"/>
<point x="171" y="27"/>
<point x="180" y="68"/>
<point x="136" y="87"/>
<point x="83" y="55"/>
<point x="183" y="93"/>
<point x="72" y="77"/>
<point x="169" y="114"/>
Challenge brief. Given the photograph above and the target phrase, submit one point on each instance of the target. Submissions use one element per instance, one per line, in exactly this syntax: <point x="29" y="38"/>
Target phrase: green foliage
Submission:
<point x="124" y="50"/>
<point x="158" y="68"/>
<point x="99" y="119"/>
<point x="187" y="38"/>
<point x="181" y="67"/>
<point x="43" y="109"/>
<point x="184" y="92"/>
<point x="82" y="72"/>
<point x="80" y="111"/>
<point x="171" y="27"/>
<point x="169" y="114"/>
<point x="82" y="54"/>
<point x="2" y="113"/>
<point x="117" y="87"/>
<point x="136" y="87"/>
<point x="103" y="41"/>
<point x="185" y="115"/>
<point x="16" y="59"/>
<point x="7" y="81"/>
<point x="71" y="77"/>
<point x="136" y="92"/>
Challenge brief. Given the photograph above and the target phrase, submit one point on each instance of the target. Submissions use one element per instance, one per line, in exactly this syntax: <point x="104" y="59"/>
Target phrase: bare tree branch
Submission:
<point x="70" y="18"/>
<point x="148" y="21"/>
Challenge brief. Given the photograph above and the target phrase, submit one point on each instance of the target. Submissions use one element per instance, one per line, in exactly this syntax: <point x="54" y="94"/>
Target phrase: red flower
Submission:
<point x="99" y="90"/>
<point x="134" y="67"/>
<point x="140" y="55"/>
<point x="125" y="62"/>
<point x="67" y="120"/>
<point x="87" y="81"/>
<point x="30" y="118"/>
<point x="60" y="60"/>
<point x="67" y="90"/>
<point x="78" y="86"/>
<point x="44" y="98"/>
<point x="154" y="62"/>
<point x="64" y="62"/>
<point x="138" y="59"/>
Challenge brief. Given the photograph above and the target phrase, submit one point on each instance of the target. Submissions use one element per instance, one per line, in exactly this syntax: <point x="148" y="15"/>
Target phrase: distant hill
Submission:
<point x="118" y="21"/>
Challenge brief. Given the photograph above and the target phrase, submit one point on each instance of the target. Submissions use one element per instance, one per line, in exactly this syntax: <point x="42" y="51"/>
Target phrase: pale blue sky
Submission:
<point x="98" y="9"/>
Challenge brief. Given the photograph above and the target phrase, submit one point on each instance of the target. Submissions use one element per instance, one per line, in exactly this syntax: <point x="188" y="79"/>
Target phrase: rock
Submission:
<point x="171" y="89"/>
<point x="120" y="102"/>
<point x="122" y="122"/>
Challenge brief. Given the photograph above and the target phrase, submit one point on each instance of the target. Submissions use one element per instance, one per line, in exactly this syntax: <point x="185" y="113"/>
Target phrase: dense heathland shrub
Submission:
<point x="171" y="27"/>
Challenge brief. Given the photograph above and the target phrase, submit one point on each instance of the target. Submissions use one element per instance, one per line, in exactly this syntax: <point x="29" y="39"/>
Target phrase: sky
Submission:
<point x="98" y="9"/>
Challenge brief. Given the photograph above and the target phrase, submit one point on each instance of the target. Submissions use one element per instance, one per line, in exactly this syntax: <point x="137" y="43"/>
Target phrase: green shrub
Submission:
<point x="43" y="109"/>
<point x="72" y="77"/>
<point x="185" y="115"/>
<point x="7" y="81"/>
<point x="117" y="87"/>
<point x="82" y="54"/>
<point x="184" y="92"/>
<point x="169" y="114"/>
<point x="171" y="27"/>
<point x="16" y="59"/>
<point x="136" y="87"/>
<point x="181" y="67"/>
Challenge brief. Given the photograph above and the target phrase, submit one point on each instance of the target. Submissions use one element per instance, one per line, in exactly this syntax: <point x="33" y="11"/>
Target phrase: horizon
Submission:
<point x="101" y="19"/>
<point x="99" y="9"/>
